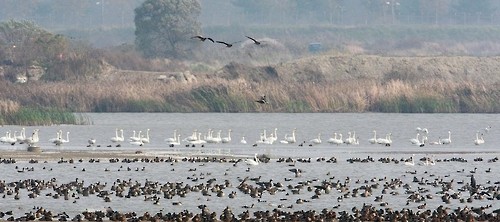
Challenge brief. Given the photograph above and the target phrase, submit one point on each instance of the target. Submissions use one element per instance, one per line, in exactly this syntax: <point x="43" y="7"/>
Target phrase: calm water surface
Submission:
<point x="402" y="127"/>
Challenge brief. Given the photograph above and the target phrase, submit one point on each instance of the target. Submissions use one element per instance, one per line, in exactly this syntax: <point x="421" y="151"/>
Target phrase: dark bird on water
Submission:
<point x="201" y="38"/>
<point x="262" y="100"/>
<point x="254" y="40"/>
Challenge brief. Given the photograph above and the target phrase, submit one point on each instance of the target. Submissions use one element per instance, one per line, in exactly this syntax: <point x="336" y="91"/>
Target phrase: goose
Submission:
<point x="478" y="140"/>
<point x="316" y="140"/>
<point x="146" y="139"/>
<point x="373" y="140"/>
<point x="229" y="45"/>
<point x="447" y="140"/>
<point x="201" y="38"/>
<point x="116" y="138"/>
<point x="172" y="139"/>
<point x="228" y="138"/>
<point x="252" y="162"/>
<point x="254" y="40"/>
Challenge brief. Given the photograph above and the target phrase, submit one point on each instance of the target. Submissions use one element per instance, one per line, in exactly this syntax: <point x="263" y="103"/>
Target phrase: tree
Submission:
<point x="164" y="27"/>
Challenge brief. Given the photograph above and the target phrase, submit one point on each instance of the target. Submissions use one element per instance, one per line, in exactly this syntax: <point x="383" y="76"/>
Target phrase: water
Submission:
<point x="402" y="126"/>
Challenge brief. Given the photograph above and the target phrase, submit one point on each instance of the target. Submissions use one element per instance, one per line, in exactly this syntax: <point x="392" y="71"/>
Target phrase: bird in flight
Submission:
<point x="201" y="38"/>
<point x="262" y="100"/>
<point x="254" y="40"/>
<point x="229" y="45"/>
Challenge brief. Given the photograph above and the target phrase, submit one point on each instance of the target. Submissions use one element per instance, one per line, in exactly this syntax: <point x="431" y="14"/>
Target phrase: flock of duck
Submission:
<point x="288" y="195"/>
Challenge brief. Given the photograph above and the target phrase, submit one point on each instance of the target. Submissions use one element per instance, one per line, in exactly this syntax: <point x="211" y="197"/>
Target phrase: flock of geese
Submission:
<point x="227" y="44"/>
<point x="141" y="138"/>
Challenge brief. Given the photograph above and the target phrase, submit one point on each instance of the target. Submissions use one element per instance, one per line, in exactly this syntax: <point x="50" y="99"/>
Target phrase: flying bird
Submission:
<point x="262" y="100"/>
<point x="254" y="40"/>
<point x="229" y="45"/>
<point x="201" y="38"/>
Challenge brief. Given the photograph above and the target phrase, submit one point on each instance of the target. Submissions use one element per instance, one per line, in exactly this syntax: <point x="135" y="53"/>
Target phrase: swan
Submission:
<point x="177" y="141"/>
<point x="428" y="162"/>
<point x="416" y="140"/>
<point x="116" y="138"/>
<point x="252" y="162"/>
<point x="57" y="138"/>
<point x="146" y="139"/>
<point x="92" y="141"/>
<point x="172" y="139"/>
<point x="339" y="140"/>
<point x="67" y="138"/>
<point x="332" y="139"/>
<point x="385" y="141"/>
<point x="478" y="140"/>
<point x="33" y="139"/>
<point x="243" y="141"/>
<point x="284" y="141"/>
<point x="135" y="138"/>
<point x="193" y="136"/>
<point x="10" y="139"/>
<point x="216" y="139"/>
<point x="351" y="139"/>
<point x="373" y="140"/>
<point x="412" y="163"/>
<point x="291" y="139"/>
<point x="22" y="136"/>
<point x="198" y="141"/>
<point x="447" y="140"/>
<point x="228" y="138"/>
<point x="4" y="139"/>
<point x="316" y="140"/>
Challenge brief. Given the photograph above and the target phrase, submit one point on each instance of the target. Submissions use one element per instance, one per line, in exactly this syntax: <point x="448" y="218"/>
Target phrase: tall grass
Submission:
<point x="40" y="116"/>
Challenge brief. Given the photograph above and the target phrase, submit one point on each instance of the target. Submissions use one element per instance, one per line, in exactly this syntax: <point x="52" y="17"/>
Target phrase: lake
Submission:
<point x="421" y="178"/>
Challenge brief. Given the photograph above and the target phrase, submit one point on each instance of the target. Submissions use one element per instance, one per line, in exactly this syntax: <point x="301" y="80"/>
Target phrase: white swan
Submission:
<point x="284" y="141"/>
<point x="193" y="136"/>
<point x="316" y="140"/>
<point x="146" y="139"/>
<point x="118" y="138"/>
<point x="67" y="138"/>
<point x="447" y="140"/>
<point x="10" y="139"/>
<point x="227" y="139"/>
<point x="197" y="141"/>
<point x="134" y="137"/>
<point x="22" y="136"/>
<point x="57" y="138"/>
<point x="243" y="141"/>
<point x="373" y="140"/>
<point x="416" y="140"/>
<point x="478" y="140"/>
<point x="332" y="139"/>
<point x="339" y="140"/>
<point x="172" y="139"/>
<point x="291" y="139"/>
<point x="412" y="163"/>
<point x="252" y="162"/>
<point x="34" y="138"/>
<point x="177" y="141"/>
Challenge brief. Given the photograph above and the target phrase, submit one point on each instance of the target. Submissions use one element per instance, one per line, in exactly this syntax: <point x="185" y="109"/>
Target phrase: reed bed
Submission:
<point x="222" y="95"/>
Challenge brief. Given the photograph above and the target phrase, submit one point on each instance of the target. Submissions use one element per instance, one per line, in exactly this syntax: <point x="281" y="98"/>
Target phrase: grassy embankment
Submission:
<point x="394" y="91"/>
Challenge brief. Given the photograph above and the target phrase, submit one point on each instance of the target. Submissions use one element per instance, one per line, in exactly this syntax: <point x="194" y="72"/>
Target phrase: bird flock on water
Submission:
<point x="142" y="137"/>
